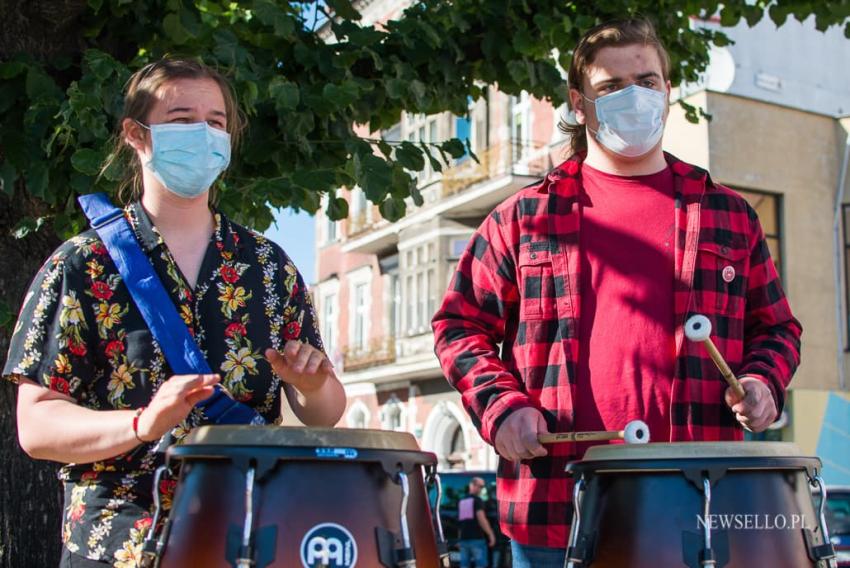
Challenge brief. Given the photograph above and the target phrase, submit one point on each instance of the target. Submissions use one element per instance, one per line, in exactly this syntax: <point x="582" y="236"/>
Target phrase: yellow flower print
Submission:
<point x="108" y="315"/>
<point x="130" y="556"/>
<point x="186" y="314"/>
<point x="236" y="363"/>
<point x="94" y="269"/>
<point x="232" y="298"/>
<point x="120" y="379"/>
<point x="62" y="364"/>
<point x="72" y="312"/>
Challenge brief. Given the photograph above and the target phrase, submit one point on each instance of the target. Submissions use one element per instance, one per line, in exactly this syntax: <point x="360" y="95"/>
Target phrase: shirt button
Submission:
<point x="724" y="250"/>
<point x="533" y="255"/>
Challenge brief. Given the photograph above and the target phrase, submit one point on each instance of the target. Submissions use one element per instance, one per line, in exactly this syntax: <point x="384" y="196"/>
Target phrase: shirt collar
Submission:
<point x="566" y="178"/>
<point x="149" y="237"/>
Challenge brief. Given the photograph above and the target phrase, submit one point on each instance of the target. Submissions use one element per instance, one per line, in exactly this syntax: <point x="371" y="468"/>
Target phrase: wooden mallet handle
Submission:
<point x="635" y="432"/>
<point x="698" y="329"/>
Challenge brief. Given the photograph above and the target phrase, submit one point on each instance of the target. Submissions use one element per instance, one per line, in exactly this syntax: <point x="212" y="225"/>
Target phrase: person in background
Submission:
<point x="476" y="534"/>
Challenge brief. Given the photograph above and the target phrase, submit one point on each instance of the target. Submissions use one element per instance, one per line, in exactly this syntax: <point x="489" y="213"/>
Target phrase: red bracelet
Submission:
<point x="136" y="424"/>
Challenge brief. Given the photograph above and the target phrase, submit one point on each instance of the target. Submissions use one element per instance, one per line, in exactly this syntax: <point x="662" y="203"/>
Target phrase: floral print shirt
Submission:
<point x="79" y="333"/>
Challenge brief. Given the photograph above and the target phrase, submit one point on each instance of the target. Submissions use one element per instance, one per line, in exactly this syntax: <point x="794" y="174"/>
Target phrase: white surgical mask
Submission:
<point x="186" y="158"/>
<point x="631" y="120"/>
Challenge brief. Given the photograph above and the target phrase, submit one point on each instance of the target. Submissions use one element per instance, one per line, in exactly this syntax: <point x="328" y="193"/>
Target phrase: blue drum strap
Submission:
<point x="157" y="308"/>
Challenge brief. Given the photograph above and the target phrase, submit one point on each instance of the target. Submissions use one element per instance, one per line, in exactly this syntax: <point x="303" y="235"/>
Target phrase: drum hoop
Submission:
<point x="392" y="461"/>
<point x="688" y="465"/>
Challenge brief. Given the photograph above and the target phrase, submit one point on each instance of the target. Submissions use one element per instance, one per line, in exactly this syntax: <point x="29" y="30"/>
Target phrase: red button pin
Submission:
<point x="728" y="274"/>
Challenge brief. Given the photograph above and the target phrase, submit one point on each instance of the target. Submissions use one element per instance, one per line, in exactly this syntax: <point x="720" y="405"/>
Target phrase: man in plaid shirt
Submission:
<point x="567" y="309"/>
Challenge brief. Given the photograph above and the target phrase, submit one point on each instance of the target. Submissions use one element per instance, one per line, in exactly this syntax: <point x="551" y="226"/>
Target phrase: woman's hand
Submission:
<point x="173" y="402"/>
<point x="301" y="365"/>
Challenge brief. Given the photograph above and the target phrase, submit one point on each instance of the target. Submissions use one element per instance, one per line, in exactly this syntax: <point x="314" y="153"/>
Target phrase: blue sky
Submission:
<point x="294" y="232"/>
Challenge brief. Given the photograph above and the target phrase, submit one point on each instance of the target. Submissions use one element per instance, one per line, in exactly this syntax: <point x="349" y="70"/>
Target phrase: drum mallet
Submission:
<point x="698" y="329"/>
<point x="635" y="432"/>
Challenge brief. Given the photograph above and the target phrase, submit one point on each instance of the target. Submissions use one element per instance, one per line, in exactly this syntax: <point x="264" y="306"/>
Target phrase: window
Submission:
<point x="358" y="415"/>
<point x="768" y="207"/>
<point x="360" y="314"/>
<point x="330" y="226"/>
<point x="420" y="290"/>
<point x="329" y="323"/>
<point x="425" y="129"/>
<point x="391" y="415"/>
<point x="520" y="126"/>
<point x="360" y="213"/>
<point x="395" y="305"/>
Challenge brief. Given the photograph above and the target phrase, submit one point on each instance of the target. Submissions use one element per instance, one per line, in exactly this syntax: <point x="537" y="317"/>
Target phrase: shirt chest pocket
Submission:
<point x="537" y="284"/>
<point x="721" y="277"/>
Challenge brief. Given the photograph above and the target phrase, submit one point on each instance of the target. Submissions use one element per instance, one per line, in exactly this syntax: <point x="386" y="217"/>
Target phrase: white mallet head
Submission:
<point x="698" y="328"/>
<point x="636" y="432"/>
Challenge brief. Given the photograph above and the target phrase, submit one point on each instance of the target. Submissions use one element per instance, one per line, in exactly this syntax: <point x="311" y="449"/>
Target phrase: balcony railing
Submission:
<point x="496" y="161"/>
<point x="380" y="351"/>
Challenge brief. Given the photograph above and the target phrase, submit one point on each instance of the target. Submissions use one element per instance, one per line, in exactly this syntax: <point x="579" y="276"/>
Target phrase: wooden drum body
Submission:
<point x="746" y="504"/>
<point x="290" y="497"/>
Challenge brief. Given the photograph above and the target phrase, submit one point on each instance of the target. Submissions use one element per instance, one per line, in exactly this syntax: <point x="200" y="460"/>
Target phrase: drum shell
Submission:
<point x="295" y="494"/>
<point x="646" y="515"/>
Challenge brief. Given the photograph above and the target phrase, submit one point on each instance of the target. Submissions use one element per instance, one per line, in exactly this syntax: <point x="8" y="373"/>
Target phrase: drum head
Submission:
<point x="284" y="436"/>
<point x="683" y="450"/>
<point x="694" y="456"/>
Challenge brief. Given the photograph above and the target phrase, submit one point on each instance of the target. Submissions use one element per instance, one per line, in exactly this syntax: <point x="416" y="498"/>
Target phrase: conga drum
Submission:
<point x="697" y="504"/>
<point x="288" y="497"/>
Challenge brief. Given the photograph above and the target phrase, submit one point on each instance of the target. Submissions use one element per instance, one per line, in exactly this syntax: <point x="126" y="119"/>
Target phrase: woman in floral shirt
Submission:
<point x="96" y="392"/>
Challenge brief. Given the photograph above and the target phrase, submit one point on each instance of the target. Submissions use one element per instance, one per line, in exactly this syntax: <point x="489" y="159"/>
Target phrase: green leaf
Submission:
<point x="40" y="85"/>
<point x="385" y="149"/>
<point x="26" y="226"/>
<point x="95" y="5"/>
<point x="87" y="161"/>
<point x="524" y="42"/>
<point x="409" y="156"/>
<point x="337" y="208"/>
<point x="435" y="163"/>
<point x="454" y="147"/>
<point x="101" y="64"/>
<point x="344" y="9"/>
<point x="37" y="178"/>
<point x="419" y="93"/>
<point x="392" y="208"/>
<point x="374" y="175"/>
<point x="11" y="69"/>
<point x="173" y="28"/>
<point x="317" y="180"/>
<point x="396" y="88"/>
<point x="418" y="200"/>
<point x="286" y="95"/>
<point x="271" y="15"/>
<point x="341" y="95"/>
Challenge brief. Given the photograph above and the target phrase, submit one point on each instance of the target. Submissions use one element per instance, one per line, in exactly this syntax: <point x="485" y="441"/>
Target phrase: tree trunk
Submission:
<point x="31" y="496"/>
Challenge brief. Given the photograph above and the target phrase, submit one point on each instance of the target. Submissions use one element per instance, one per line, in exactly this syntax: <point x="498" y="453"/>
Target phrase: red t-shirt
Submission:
<point x="626" y="330"/>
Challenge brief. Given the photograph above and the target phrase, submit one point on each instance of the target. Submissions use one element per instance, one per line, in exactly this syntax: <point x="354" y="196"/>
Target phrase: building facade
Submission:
<point x="778" y="134"/>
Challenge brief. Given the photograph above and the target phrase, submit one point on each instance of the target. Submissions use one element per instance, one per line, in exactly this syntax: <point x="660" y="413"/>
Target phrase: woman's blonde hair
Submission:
<point x="617" y="33"/>
<point x="139" y="98"/>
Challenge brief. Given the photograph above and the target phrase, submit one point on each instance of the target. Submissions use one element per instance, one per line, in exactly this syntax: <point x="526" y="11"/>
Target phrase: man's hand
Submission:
<point x="516" y="438"/>
<point x="301" y="365"/>
<point x="757" y="410"/>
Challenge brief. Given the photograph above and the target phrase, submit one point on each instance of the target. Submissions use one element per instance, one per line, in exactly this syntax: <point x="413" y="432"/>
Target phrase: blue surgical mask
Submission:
<point x="631" y="120"/>
<point x="187" y="158"/>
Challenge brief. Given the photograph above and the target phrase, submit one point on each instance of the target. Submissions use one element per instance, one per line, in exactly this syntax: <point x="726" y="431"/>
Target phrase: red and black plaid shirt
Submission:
<point x="507" y="331"/>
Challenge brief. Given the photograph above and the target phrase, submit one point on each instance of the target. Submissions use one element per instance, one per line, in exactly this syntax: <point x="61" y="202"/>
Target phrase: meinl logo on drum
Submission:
<point x="753" y="522"/>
